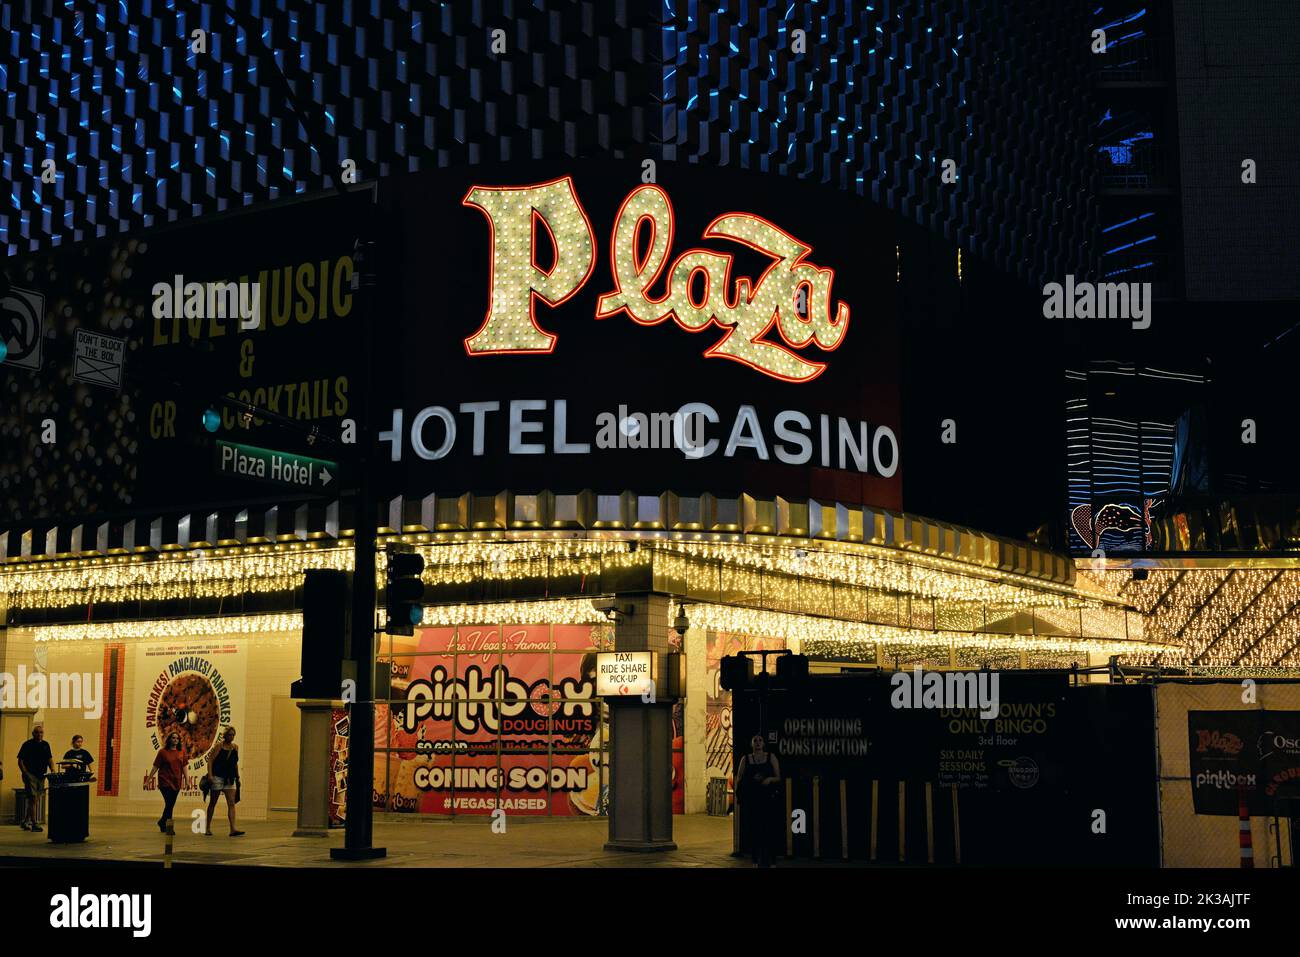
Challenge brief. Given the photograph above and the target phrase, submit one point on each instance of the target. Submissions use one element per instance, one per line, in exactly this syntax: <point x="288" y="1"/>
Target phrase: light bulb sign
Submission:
<point x="561" y="326"/>
<point x="715" y="331"/>
<point x="791" y="299"/>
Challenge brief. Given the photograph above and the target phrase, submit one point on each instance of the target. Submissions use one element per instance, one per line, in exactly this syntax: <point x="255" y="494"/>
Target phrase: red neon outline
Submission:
<point x="532" y="251"/>
<point x="638" y="262"/>
<point x="708" y="286"/>
<point x="613" y="266"/>
<point x="800" y="319"/>
<point x="713" y="353"/>
<point x="533" y="294"/>
<point x="729" y="301"/>
<point x="799" y="261"/>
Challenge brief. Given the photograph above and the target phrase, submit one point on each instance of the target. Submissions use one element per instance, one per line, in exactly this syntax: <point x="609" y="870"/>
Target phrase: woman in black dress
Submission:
<point x="757" y="778"/>
<point x="223" y="778"/>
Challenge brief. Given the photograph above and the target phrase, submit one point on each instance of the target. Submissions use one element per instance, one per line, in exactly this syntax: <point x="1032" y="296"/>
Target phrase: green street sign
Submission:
<point x="281" y="468"/>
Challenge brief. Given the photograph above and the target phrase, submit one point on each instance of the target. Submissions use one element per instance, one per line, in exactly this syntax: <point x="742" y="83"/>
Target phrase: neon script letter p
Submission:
<point x="514" y="215"/>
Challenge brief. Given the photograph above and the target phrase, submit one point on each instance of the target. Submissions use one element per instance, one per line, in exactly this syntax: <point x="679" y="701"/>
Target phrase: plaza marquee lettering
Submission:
<point x="792" y="297"/>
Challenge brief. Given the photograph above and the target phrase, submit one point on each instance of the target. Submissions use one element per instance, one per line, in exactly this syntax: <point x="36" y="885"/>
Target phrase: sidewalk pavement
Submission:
<point x="702" y="841"/>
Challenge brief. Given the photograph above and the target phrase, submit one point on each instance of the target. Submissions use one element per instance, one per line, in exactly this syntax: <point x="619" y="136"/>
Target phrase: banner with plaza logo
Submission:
<point x="1255" y="753"/>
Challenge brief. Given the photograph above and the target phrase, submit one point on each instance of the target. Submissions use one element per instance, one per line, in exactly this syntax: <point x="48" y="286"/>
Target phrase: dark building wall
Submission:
<point x="1238" y="76"/>
<point x="143" y="130"/>
<point x="884" y="93"/>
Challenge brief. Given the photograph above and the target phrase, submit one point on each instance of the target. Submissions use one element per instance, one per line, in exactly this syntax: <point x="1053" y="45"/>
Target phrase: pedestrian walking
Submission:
<point x="759" y="775"/>
<point x="223" y="778"/>
<point x="34" y="760"/>
<point x="169" y="769"/>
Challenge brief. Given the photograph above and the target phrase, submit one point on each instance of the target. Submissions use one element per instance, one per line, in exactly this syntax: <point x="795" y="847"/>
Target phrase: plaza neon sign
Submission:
<point x="791" y="299"/>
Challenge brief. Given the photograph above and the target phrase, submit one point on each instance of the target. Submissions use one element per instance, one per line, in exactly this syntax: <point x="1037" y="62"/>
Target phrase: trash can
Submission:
<point x="718" y="797"/>
<point x="69" y="800"/>
<point x="20" y="807"/>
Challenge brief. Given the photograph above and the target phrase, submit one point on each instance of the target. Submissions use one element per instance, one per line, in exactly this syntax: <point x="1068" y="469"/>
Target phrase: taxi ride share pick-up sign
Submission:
<point x="624" y="673"/>
<point x="281" y="468"/>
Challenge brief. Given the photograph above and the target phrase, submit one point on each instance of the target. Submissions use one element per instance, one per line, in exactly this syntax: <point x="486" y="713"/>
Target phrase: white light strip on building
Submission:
<point x="749" y="621"/>
<point x="170" y="628"/>
<point x="558" y="611"/>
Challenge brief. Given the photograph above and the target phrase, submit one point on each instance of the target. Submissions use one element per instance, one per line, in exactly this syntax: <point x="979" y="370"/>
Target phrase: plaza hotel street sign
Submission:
<point x="299" y="472"/>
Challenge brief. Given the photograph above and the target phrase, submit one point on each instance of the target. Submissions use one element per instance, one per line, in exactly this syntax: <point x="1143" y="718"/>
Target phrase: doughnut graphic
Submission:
<point x="189" y="707"/>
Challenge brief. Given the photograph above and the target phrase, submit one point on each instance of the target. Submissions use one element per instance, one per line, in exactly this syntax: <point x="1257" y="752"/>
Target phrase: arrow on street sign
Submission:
<point x="280" y="468"/>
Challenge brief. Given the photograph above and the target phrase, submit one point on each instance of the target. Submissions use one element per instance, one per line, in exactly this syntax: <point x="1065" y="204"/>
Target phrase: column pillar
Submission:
<point x="696" y="715"/>
<point x="16" y="648"/>
<point x="314" y="768"/>
<point x="641" y="772"/>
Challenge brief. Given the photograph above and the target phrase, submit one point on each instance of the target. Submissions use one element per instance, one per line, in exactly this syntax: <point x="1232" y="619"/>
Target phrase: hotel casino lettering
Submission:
<point x="534" y="331"/>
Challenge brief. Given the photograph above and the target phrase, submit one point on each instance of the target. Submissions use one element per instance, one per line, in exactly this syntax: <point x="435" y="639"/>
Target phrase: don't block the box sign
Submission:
<point x="621" y="673"/>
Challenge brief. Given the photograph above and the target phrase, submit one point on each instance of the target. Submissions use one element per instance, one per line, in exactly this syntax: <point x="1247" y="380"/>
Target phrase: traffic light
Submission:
<point x="326" y="620"/>
<point x="791" y="669"/>
<point x="735" y="672"/>
<point x="404" y="591"/>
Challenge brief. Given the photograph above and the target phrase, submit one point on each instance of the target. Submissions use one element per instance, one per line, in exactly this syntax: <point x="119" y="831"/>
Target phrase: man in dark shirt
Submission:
<point x="34" y="759"/>
<point x="78" y="753"/>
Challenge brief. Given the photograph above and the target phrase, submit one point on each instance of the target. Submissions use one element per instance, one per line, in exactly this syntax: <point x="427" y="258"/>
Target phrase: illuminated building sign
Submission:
<point x="791" y="299"/>
<point x="522" y="337"/>
<point x="625" y="673"/>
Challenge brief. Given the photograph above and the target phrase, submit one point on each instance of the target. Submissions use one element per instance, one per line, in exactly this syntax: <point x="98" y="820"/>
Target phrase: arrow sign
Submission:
<point x="279" y="468"/>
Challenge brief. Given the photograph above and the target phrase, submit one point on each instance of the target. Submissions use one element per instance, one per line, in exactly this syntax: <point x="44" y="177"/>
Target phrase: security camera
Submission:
<point x="800" y="553"/>
<point x="612" y="609"/>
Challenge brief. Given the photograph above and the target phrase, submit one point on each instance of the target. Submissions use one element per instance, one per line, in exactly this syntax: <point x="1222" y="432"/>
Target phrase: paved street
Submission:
<point x="702" y="842"/>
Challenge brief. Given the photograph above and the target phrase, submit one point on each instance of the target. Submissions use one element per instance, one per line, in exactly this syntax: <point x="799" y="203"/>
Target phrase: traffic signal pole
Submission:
<point x="361" y="642"/>
<point x="359" y="825"/>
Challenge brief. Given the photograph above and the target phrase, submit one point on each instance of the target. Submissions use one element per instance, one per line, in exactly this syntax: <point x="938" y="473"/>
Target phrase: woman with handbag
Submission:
<point x="169" y="767"/>
<point x="223" y="778"/>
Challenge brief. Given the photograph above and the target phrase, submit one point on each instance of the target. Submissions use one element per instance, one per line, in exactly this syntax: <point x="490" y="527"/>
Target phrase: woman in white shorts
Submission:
<point x="223" y="778"/>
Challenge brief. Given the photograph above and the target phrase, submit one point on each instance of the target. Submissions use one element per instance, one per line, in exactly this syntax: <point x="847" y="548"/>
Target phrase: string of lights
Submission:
<point x="1220" y="617"/>
<point x="255" y="569"/>
<point x="275" y="624"/>
<point x="826" y="594"/>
